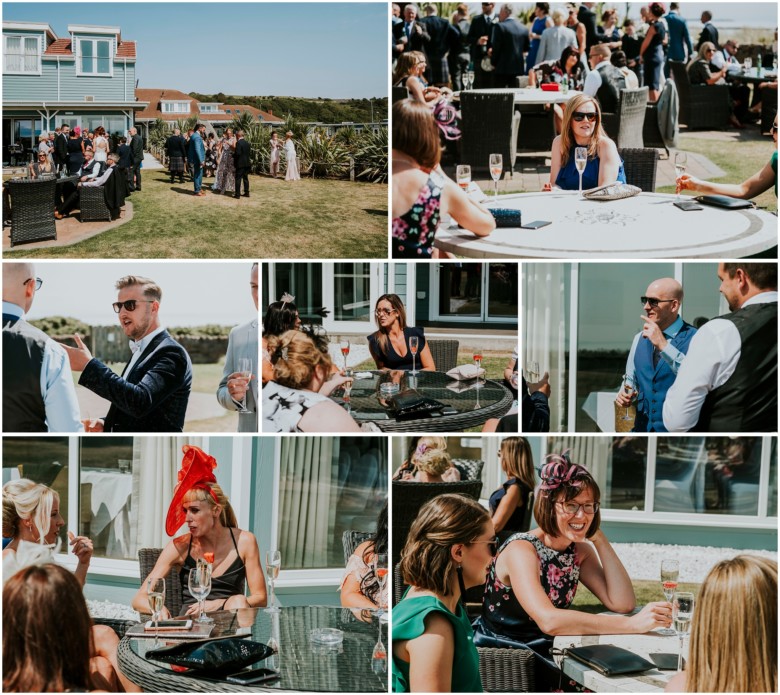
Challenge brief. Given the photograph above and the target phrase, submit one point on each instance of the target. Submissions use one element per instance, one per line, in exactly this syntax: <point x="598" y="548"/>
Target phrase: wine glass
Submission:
<point x="463" y="176"/>
<point x="580" y="161"/>
<point x="682" y="612"/>
<point x="345" y="352"/>
<point x="774" y="65"/>
<point x="245" y="370"/>
<point x="381" y="571"/>
<point x="349" y="373"/>
<point x="155" y="593"/>
<point x="532" y="369"/>
<point x="470" y="75"/>
<point x="680" y="165"/>
<point x="200" y="587"/>
<point x="629" y="386"/>
<point x="670" y="573"/>
<point x="273" y="563"/>
<point x="748" y="64"/>
<point x="414" y="343"/>
<point x="477" y="355"/>
<point x="379" y="653"/>
<point x="496" y="167"/>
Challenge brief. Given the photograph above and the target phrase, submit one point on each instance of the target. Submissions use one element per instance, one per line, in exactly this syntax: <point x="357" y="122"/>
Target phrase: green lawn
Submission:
<point x="492" y="362"/>
<point x="646" y="591"/>
<point x="310" y="218"/>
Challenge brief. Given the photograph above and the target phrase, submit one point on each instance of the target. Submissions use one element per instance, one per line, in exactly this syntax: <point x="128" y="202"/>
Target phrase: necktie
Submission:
<point x="408" y="30"/>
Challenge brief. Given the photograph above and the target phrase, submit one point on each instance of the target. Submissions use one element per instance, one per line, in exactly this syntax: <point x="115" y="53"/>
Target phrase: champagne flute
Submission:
<point x="748" y="65"/>
<point x="379" y="653"/>
<point x="200" y="587"/>
<point x="245" y="369"/>
<point x="381" y="571"/>
<point x="682" y="612"/>
<point x="774" y="65"/>
<point x="629" y="386"/>
<point x="680" y="165"/>
<point x="496" y="167"/>
<point x="345" y="352"/>
<point x="580" y="161"/>
<point x="155" y="593"/>
<point x="348" y="389"/>
<point x="463" y="176"/>
<point x="413" y="345"/>
<point x="670" y="573"/>
<point x="273" y="563"/>
<point x="477" y="355"/>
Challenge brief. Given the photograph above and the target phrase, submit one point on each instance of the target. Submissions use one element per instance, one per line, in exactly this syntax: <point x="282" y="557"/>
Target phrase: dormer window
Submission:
<point x="175" y="107"/>
<point x="95" y="56"/>
<point x="21" y="55"/>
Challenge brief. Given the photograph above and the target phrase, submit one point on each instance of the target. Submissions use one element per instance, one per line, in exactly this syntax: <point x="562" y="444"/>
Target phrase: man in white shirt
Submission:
<point x="72" y="200"/>
<point x="726" y="57"/>
<point x="604" y="81"/>
<point x="728" y="382"/>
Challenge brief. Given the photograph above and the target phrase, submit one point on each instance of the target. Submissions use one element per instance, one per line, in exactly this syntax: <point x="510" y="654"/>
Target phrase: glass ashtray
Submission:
<point x="327" y="636"/>
<point x="389" y="388"/>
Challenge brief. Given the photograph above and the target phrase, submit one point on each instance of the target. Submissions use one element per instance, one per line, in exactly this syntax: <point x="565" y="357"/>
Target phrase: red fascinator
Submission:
<point x="197" y="470"/>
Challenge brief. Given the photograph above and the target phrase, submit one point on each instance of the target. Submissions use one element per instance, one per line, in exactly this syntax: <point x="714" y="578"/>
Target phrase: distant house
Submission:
<point x="86" y="79"/>
<point x="172" y="105"/>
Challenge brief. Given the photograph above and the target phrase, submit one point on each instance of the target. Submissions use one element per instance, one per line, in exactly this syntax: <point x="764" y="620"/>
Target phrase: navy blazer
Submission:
<point x="242" y="156"/>
<point x="153" y="396"/>
<point x="510" y="41"/>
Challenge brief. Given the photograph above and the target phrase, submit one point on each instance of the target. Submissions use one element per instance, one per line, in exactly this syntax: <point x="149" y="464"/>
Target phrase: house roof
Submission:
<point x="154" y="111"/>
<point x="64" y="47"/>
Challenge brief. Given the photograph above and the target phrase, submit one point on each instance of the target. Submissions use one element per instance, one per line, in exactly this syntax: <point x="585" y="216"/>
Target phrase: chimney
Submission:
<point x="270" y="113"/>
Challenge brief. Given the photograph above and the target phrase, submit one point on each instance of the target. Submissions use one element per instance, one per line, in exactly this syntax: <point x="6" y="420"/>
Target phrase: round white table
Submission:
<point x="528" y="95"/>
<point x="645" y="226"/>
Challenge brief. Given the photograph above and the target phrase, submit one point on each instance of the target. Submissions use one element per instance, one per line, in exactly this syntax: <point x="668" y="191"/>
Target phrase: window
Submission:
<point x="176" y="107"/>
<point x="468" y="291"/>
<point x="228" y="111"/>
<point x="352" y="292"/>
<point x="95" y="56"/>
<point x="302" y="280"/>
<point x="208" y="108"/>
<point x="22" y="54"/>
<point x="238" y="110"/>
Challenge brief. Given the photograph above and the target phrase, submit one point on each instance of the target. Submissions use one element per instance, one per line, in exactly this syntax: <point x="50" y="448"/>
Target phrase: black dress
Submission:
<point x="227" y="584"/>
<point x="391" y="359"/>
<point x="654" y="58"/>
<point x="75" y="155"/>
<point x="515" y="522"/>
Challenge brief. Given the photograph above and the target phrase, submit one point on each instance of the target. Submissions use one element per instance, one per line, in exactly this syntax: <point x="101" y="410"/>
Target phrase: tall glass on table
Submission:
<point x="414" y="345"/>
<point x="682" y="612"/>
<point x="496" y="167"/>
<point x="580" y="162"/>
<point x="680" y="165"/>
<point x="200" y="587"/>
<point x="670" y="574"/>
<point x="155" y="593"/>
<point x="273" y="563"/>
<point x="463" y="176"/>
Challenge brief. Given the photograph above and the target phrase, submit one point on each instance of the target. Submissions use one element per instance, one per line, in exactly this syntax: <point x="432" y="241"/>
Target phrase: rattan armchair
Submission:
<point x="701" y="106"/>
<point x="147" y="558"/>
<point x="640" y="166"/>
<point x="473" y="468"/>
<point x="351" y="540"/>
<point x="92" y="201"/>
<point x="507" y="670"/>
<point x="444" y="353"/>
<point x="625" y="126"/>
<point x="32" y="209"/>
<point x="768" y="109"/>
<point x="489" y="125"/>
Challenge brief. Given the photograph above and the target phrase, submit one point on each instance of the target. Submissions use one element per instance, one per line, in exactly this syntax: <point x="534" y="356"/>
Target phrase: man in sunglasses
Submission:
<point x="656" y="354"/>
<point x="38" y="392"/>
<point x="728" y="382"/>
<point x="154" y="389"/>
<point x="604" y="81"/>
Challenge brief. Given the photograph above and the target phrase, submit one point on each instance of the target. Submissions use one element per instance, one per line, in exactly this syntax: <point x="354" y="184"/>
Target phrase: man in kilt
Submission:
<point x="176" y="149"/>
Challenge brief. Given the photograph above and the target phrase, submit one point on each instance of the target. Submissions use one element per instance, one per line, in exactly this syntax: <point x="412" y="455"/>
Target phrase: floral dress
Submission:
<point x="226" y="170"/>
<point x="284" y="407"/>
<point x="414" y="231"/>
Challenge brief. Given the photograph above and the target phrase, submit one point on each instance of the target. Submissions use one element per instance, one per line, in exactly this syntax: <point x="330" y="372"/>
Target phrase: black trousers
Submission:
<point x="134" y="178"/>
<point x="242" y="174"/>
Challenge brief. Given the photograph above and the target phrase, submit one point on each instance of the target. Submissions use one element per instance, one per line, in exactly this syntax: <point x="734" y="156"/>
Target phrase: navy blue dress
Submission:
<point x="515" y="522"/>
<point x="391" y="359"/>
<point x="653" y="58"/>
<point x="569" y="179"/>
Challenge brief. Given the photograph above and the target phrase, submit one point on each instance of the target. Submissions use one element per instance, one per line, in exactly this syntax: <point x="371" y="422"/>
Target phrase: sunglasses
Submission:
<point x="38" y="282"/>
<point x="492" y="545"/>
<point x="579" y="116"/>
<point x="384" y="312"/>
<point x="652" y="301"/>
<point x="129" y="305"/>
<point x="572" y="508"/>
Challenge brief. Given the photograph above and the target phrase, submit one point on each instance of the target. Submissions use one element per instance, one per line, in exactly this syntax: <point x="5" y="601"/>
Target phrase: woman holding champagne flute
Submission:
<point x="213" y="539"/>
<point x="396" y="345"/>
<point x="582" y="129"/>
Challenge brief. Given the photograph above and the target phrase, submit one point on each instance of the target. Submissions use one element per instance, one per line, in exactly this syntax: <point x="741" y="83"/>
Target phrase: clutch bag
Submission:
<point x="725" y="202"/>
<point x="609" y="660"/>
<point x="612" y="191"/>
<point x="215" y="658"/>
<point x="410" y="405"/>
<point x="506" y="217"/>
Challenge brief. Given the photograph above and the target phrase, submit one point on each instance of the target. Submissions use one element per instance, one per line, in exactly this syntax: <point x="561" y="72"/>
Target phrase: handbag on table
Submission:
<point x="612" y="191"/>
<point x="609" y="660"/>
<point x="410" y="405"/>
<point x="725" y="202"/>
<point x="213" y="658"/>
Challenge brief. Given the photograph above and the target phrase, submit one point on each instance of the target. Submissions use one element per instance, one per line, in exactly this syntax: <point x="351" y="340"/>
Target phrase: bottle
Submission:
<point x="565" y="84"/>
<point x="758" y="65"/>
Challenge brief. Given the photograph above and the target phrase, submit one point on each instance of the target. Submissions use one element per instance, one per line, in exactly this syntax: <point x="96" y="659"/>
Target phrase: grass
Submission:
<point x="310" y="218"/>
<point x="492" y="362"/>
<point x="646" y="591"/>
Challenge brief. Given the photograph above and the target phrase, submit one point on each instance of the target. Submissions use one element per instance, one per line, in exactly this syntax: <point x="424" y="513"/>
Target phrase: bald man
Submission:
<point x="38" y="391"/>
<point x="656" y="354"/>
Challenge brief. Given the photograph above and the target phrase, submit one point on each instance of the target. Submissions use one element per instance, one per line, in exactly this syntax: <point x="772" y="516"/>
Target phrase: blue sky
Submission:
<point x="336" y="50"/>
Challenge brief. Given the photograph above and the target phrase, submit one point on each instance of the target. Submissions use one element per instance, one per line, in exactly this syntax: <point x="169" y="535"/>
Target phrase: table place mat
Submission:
<point x="197" y="631"/>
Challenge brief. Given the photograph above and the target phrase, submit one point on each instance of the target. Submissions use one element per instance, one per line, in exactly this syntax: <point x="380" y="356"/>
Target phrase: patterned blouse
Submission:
<point x="413" y="232"/>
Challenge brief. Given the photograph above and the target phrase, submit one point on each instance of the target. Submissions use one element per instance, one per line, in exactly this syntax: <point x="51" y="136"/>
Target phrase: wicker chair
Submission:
<point x="32" y="210"/>
<point x="768" y="109"/>
<point x="651" y="131"/>
<point x="489" y="125"/>
<point x="507" y="670"/>
<point x="537" y="130"/>
<point x="398" y="585"/>
<point x="351" y="540"/>
<point x="147" y="558"/>
<point x="92" y="201"/>
<point x="701" y="106"/>
<point x="640" y="167"/>
<point x="625" y="126"/>
<point x="444" y="353"/>
<point x="473" y="468"/>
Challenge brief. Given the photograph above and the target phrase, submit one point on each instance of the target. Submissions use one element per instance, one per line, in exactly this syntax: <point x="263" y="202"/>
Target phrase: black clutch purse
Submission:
<point x="725" y="202"/>
<point x="609" y="660"/>
<point x="213" y="658"/>
<point x="506" y="217"/>
<point x="410" y="405"/>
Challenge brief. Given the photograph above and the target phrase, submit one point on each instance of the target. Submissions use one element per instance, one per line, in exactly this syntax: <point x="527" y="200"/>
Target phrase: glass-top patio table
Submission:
<point x="466" y="403"/>
<point x="303" y="665"/>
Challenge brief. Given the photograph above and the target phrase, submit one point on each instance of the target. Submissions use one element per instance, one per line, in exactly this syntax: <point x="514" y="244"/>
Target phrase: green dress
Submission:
<point x="409" y="622"/>
<point x="773" y="163"/>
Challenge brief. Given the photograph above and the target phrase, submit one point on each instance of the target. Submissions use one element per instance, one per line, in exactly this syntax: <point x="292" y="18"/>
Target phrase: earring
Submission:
<point x="461" y="583"/>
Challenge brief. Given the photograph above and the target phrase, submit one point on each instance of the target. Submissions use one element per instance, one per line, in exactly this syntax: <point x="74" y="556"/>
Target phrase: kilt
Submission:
<point x="177" y="165"/>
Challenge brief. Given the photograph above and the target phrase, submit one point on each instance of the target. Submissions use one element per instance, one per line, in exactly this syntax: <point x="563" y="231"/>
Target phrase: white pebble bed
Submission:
<point x="643" y="560"/>
<point x="357" y="354"/>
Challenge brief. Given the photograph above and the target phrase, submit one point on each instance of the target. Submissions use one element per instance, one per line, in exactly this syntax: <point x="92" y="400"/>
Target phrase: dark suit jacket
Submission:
<point x="242" y="154"/>
<point x="125" y="156"/>
<point x="418" y="41"/>
<point x="153" y="396"/>
<point x="442" y="34"/>
<point x="510" y="41"/>
<point x="479" y="27"/>
<point x="588" y="18"/>
<point x="679" y="38"/>
<point x="137" y="148"/>
<point x="61" y="147"/>
<point x="708" y="33"/>
<point x="176" y="146"/>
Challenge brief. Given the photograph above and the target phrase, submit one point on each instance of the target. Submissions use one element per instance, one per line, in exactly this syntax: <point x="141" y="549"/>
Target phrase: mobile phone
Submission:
<point x="169" y="625"/>
<point x="687" y="207"/>
<point x="256" y="675"/>
<point x="536" y="224"/>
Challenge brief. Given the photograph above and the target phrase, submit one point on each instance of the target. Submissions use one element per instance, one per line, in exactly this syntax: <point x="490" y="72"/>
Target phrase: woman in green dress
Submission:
<point x="449" y="548"/>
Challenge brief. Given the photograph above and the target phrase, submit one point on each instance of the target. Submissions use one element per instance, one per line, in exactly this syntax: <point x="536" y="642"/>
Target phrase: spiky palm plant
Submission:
<point x="349" y="137"/>
<point x="371" y="156"/>
<point x="323" y="157"/>
<point x="243" y="121"/>
<point x="158" y="133"/>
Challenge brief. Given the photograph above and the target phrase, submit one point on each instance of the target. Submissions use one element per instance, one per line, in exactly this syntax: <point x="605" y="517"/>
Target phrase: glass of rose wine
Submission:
<point x="463" y="176"/>
<point x="345" y="352"/>
<point x="414" y="344"/>
<point x="496" y="167"/>
<point x="670" y="574"/>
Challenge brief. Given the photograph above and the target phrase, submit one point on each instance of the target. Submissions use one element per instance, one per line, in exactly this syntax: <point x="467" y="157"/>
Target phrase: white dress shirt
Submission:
<point x="712" y="357"/>
<point x="593" y="80"/>
<point x="140" y="346"/>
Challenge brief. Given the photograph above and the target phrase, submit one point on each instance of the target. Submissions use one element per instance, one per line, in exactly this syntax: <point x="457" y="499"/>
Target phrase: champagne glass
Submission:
<point x="200" y="587"/>
<point x="682" y="612"/>
<point x="748" y="65"/>
<point x="532" y="369"/>
<point x="477" y="355"/>
<point x="155" y="593"/>
<point x="470" y="75"/>
<point x="245" y="370"/>
<point x="414" y="343"/>
<point x="381" y="571"/>
<point x="629" y="386"/>
<point x="273" y="563"/>
<point x="580" y="161"/>
<point x="379" y="653"/>
<point x="345" y="352"/>
<point x="680" y="165"/>
<point x="463" y="176"/>
<point x="348" y="389"/>
<point x="496" y="167"/>
<point x="670" y="573"/>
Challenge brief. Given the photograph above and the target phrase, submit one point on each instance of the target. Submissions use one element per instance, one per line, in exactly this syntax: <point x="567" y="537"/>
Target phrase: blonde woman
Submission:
<point x="292" y="173"/>
<point x="582" y="128"/>
<point x="213" y="535"/>
<point x="100" y="145"/>
<point x="507" y="504"/>
<point x="428" y="462"/>
<point x="448" y="550"/>
<point x="733" y="646"/>
<point x="409" y="73"/>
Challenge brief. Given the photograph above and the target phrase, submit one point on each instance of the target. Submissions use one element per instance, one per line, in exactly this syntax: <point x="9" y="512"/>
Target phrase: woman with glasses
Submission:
<point x="582" y="128"/>
<point x="42" y="166"/>
<point x="391" y="345"/>
<point x="534" y="577"/>
<point x="449" y="548"/>
<point x="702" y="72"/>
